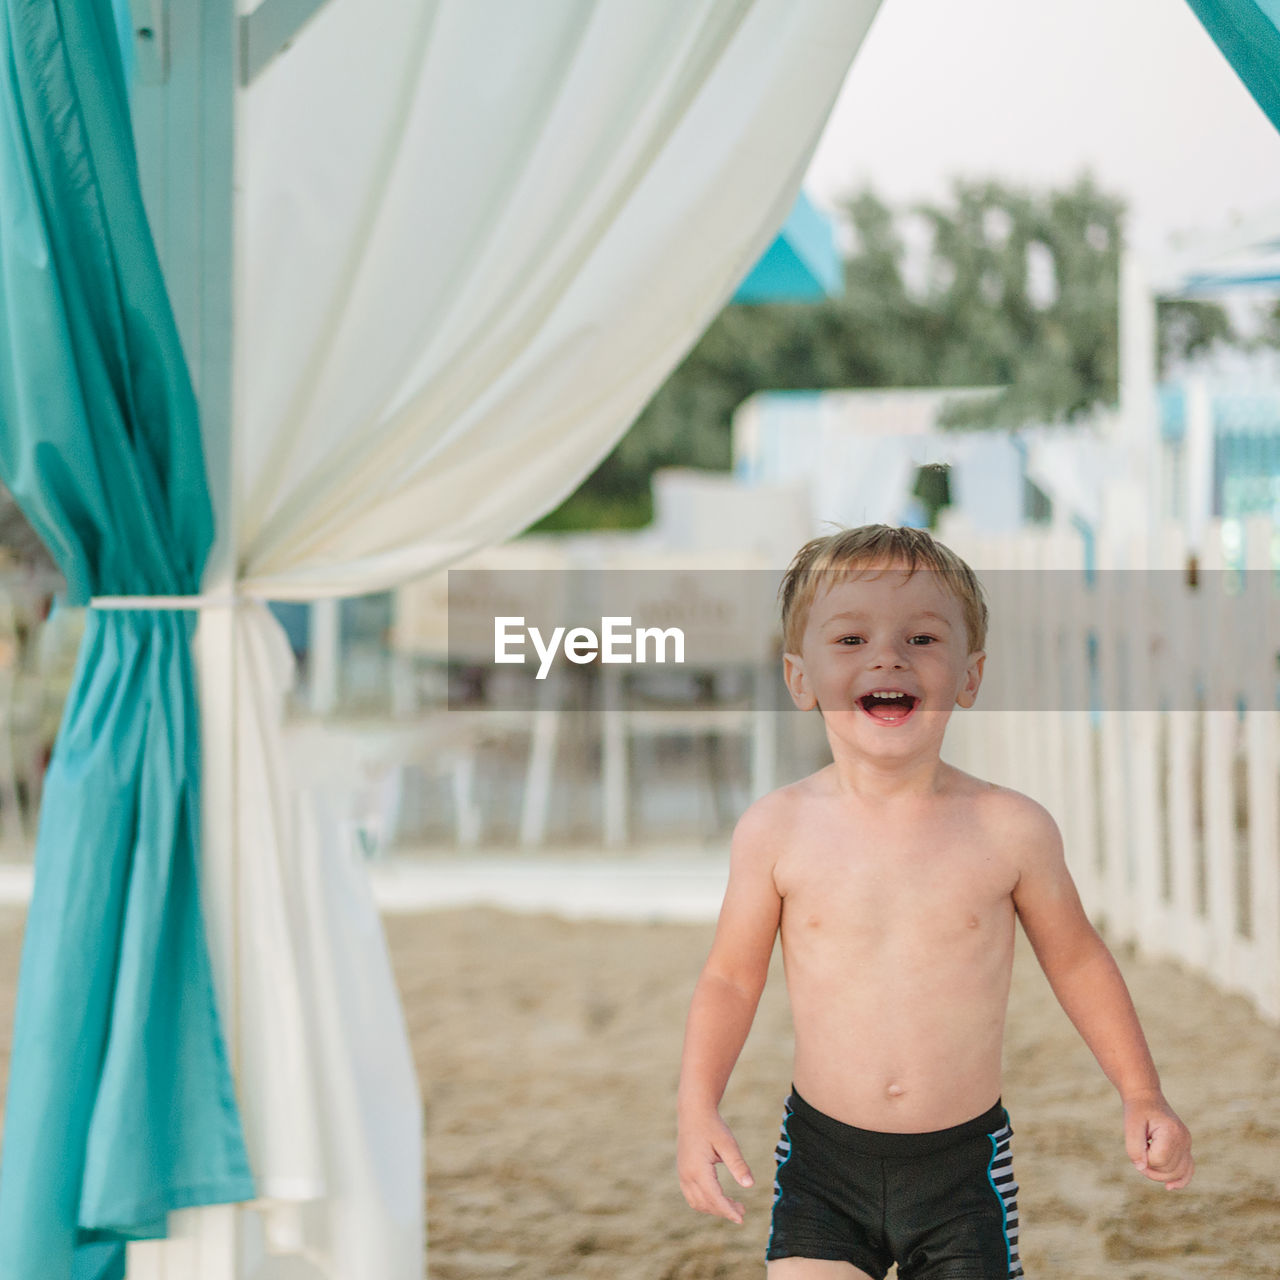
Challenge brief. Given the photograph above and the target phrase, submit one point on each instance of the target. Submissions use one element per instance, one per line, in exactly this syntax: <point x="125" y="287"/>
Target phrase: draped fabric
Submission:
<point x="1248" y="33"/>
<point x="472" y="239"/>
<point x="464" y="269"/>
<point x="120" y="1104"/>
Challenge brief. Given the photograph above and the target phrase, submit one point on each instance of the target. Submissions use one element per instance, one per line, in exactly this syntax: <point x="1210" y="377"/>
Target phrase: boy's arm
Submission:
<point x="1088" y="984"/>
<point x="720" y="1014"/>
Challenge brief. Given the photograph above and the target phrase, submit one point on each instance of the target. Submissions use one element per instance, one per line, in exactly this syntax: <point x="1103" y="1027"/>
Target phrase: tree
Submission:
<point x="1014" y="289"/>
<point x="1028" y="300"/>
<point x="1270" y="333"/>
<point x="1189" y="328"/>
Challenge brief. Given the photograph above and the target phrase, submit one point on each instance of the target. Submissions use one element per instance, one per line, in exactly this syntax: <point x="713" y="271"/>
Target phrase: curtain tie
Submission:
<point x="222" y="600"/>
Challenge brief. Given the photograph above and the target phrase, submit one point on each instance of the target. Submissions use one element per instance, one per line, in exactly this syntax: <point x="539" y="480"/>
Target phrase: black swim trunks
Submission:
<point x="942" y="1205"/>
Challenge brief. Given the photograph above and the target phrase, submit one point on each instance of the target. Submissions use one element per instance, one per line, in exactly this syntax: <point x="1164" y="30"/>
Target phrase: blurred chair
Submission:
<point x="435" y="648"/>
<point x="725" y="690"/>
<point x="698" y="511"/>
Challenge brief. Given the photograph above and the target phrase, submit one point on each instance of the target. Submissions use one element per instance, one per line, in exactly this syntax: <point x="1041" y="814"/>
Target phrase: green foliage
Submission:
<point x="1189" y="328"/>
<point x="1019" y="292"/>
<point x="601" y="505"/>
<point x="1270" y="333"/>
<point x="933" y="490"/>
<point x="1052" y="343"/>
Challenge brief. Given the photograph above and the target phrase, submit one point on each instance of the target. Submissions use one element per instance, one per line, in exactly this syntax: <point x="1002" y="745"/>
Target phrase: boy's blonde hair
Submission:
<point x="845" y="553"/>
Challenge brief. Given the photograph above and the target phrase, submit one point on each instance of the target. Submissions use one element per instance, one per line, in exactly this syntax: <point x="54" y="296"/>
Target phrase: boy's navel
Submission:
<point x="896" y="1091"/>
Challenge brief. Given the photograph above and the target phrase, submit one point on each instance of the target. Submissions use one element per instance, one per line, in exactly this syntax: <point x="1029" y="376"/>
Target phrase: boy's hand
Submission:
<point x="1157" y="1141"/>
<point x="701" y="1145"/>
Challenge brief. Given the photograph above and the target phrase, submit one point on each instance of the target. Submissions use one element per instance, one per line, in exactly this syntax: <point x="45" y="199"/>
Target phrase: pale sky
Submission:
<point x="1034" y="91"/>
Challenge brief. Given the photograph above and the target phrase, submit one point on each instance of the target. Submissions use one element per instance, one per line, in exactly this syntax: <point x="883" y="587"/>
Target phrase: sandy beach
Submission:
<point x="549" y="1051"/>
<point x="548" y="1055"/>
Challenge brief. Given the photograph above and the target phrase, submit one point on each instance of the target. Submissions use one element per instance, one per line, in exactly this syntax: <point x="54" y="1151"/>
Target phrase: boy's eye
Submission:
<point x="852" y="640"/>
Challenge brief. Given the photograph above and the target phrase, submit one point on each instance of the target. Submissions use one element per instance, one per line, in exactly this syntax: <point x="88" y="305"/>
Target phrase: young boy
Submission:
<point x="894" y="880"/>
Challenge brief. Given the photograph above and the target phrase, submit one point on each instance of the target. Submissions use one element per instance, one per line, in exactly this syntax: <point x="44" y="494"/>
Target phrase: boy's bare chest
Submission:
<point x="859" y="888"/>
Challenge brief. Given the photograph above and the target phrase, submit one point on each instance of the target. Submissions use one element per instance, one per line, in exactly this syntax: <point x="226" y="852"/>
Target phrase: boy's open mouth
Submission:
<point x="889" y="706"/>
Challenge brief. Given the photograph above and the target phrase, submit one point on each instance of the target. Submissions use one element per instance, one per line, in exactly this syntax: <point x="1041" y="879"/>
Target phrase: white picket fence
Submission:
<point x="1170" y="817"/>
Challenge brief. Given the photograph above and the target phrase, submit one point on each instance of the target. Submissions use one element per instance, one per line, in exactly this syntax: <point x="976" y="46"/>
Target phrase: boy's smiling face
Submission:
<point x="885" y="630"/>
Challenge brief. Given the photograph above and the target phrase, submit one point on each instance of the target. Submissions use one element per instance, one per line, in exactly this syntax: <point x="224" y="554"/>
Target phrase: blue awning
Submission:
<point x="1258" y="265"/>
<point x="1245" y="257"/>
<point x="801" y="265"/>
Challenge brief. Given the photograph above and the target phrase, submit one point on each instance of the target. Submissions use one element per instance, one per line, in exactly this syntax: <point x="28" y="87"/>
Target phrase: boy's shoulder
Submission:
<point x="777" y="805"/>
<point x="769" y="818"/>
<point x="958" y="785"/>
<point x="1014" y="807"/>
<point x="1022" y="825"/>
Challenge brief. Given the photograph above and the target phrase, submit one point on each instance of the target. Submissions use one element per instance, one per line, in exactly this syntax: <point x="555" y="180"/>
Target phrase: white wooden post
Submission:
<point x="1116" y="824"/>
<point x="324" y="650"/>
<point x="1018" y="557"/>
<point x="1139" y="360"/>
<point x="1142" y="719"/>
<point x="1042" y="686"/>
<point x="1262" y="738"/>
<point x="1198" y="454"/>
<point x="1219" y="732"/>
<point x="1050" y="716"/>
<point x="1185" y="779"/>
<point x="1165" y="578"/>
<point x="615" y="750"/>
<point x="1083" y="848"/>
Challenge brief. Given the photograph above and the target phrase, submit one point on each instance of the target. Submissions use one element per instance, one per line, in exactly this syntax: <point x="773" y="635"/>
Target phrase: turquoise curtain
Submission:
<point x="1248" y="33"/>
<point x="120" y="1104"/>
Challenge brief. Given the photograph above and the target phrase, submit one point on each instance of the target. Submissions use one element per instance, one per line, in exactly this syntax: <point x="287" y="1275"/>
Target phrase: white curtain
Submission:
<point x="472" y="238"/>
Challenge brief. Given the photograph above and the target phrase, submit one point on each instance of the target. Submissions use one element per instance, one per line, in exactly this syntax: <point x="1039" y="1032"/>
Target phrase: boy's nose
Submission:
<point x="887" y="657"/>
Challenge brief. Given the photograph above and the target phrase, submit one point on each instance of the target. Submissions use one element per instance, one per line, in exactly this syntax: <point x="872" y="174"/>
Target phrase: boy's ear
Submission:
<point x="968" y="694"/>
<point x="797" y="682"/>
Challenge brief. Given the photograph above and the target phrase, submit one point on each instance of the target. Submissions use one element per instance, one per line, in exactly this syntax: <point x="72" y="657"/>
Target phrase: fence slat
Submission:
<point x="1262" y="775"/>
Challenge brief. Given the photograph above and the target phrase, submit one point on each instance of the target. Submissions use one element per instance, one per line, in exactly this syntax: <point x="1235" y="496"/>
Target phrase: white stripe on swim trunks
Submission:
<point x="1000" y="1171"/>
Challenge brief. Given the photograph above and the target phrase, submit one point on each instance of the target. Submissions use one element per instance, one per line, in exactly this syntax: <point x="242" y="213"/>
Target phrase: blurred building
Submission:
<point x="858" y="456"/>
<point x="1239" y="454"/>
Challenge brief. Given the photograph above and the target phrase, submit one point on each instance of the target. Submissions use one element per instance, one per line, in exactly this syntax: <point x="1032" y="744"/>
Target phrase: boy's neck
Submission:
<point x="876" y="782"/>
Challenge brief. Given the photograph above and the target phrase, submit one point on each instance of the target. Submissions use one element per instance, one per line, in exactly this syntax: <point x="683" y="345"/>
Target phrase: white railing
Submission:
<point x="1170" y="816"/>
